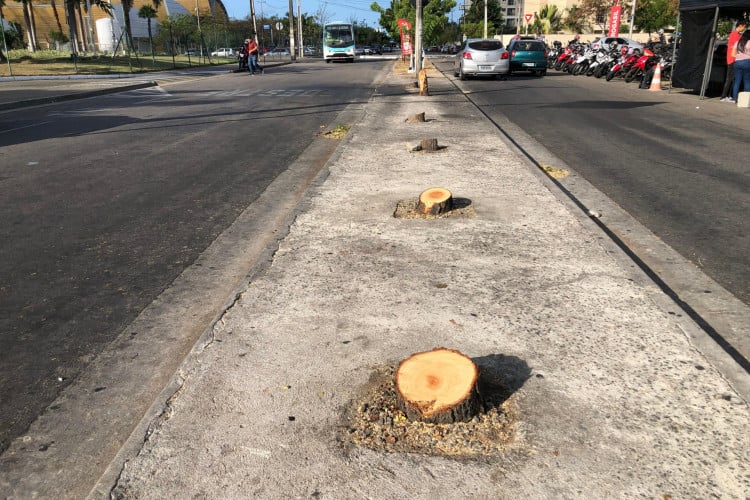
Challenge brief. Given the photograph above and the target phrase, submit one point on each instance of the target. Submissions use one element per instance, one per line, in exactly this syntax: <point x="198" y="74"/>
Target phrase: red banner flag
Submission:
<point x="615" y="16"/>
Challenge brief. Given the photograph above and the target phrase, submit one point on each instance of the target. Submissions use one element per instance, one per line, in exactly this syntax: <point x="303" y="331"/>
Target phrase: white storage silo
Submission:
<point x="107" y="33"/>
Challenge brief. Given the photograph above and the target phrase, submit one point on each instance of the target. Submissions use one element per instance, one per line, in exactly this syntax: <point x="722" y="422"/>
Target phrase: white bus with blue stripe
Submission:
<point x="338" y="42"/>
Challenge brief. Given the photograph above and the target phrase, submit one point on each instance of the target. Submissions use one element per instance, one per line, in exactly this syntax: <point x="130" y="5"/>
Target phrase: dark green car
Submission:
<point x="528" y="55"/>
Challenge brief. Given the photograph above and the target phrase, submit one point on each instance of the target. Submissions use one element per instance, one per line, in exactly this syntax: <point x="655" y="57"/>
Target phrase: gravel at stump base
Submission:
<point x="376" y="422"/>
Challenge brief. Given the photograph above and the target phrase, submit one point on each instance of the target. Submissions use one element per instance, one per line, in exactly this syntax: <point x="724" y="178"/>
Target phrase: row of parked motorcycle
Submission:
<point x="610" y="62"/>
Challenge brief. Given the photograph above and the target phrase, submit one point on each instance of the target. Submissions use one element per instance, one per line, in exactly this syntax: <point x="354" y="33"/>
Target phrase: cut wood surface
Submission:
<point x="435" y="201"/>
<point x="438" y="386"/>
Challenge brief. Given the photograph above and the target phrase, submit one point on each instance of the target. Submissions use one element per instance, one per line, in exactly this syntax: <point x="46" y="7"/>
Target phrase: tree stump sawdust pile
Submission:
<point x="377" y="421"/>
<point x="434" y="203"/>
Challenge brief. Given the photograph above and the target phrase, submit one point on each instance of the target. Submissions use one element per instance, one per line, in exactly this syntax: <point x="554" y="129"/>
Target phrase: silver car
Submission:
<point x="480" y="56"/>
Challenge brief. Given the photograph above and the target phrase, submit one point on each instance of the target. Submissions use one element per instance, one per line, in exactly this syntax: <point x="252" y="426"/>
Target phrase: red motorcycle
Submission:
<point x="641" y="66"/>
<point x="564" y="57"/>
<point x="624" y="64"/>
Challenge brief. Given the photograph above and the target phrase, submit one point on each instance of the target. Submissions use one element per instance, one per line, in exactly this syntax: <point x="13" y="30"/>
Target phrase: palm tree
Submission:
<point x="70" y="17"/>
<point x="126" y="6"/>
<point x="147" y="12"/>
<point x="547" y="20"/>
<point x="57" y="16"/>
<point x="28" y="19"/>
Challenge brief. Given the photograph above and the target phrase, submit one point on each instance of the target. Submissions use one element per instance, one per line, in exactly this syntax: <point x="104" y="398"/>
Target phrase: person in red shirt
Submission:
<point x="734" y="37"/>
<point x="252" y="59"/>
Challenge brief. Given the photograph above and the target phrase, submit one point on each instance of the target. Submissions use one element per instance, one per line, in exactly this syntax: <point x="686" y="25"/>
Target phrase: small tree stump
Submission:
<point x="435" y="201"/>
<point x="438" y="386"/>
<point x="428" y="145"/>
<point x="418" y="118"/>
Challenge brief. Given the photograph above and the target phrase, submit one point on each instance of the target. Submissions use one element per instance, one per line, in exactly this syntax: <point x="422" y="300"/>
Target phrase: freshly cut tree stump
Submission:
<point x="438" y="386"/>
<point x="435" y="201"/>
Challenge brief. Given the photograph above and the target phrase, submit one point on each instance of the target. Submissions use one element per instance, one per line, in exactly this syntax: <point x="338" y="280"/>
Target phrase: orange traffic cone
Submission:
<point x="656" y="80"/>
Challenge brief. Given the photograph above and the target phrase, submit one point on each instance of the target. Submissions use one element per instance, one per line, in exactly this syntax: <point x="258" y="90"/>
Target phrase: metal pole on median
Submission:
<point x="291" y="31"/>
<point x="418" y="39"/>
<point x="299" y="29"/>
<point x="485" y="20"/>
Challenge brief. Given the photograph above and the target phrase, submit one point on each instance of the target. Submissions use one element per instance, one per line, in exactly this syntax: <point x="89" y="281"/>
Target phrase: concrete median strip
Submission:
<point x="610" y="395"/>
<point x="595" y="384"/>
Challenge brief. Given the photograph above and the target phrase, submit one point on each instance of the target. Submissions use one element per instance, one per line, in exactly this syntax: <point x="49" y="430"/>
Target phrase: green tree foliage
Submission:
<point x="547" y="20"/>
<point x="178" y="33"/>
<point x="575" y="20"/>
<point x="147" y="12"/>
<point x="434" y="18"/>
<point x="474" y="25"/>
<point x="651" y="15"/>
<point x="57" y="37"/>
<point x="593" y="13"/>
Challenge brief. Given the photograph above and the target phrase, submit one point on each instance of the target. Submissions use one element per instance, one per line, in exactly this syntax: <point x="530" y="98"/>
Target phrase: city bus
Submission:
<point x="338" y="42"/>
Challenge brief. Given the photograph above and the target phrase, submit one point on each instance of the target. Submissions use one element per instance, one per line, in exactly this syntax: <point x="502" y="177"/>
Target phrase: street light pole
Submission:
<point x="291" y="31"/>
<point x="299" y="29"/>
<point x="418" y="39"/>
<point x="485" y="19"/>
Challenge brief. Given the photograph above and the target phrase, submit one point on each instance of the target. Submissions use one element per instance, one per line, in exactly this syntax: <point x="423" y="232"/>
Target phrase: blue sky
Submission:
<point x="336" y="10"/>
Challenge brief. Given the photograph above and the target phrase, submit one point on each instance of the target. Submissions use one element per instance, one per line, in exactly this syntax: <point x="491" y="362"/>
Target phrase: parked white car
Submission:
<point x="482" y="57"/>
<point x="223" y="52"/>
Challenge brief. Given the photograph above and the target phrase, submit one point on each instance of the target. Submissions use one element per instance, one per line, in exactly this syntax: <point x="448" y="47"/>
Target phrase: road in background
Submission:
<point x="672" y="162"/>
<point x="107" y="200"/>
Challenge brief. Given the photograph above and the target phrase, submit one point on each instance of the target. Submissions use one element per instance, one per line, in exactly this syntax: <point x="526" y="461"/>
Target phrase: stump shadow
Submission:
<point x="500" y="377"/>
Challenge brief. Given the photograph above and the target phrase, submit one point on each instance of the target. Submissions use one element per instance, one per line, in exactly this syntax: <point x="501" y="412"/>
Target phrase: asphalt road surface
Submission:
<point x="675" y="164"/>
<point x="107" y="200"/>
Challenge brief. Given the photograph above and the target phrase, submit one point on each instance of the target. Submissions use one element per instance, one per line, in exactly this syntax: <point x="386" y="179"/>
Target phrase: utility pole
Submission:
<point x="418" y="39"/>
<point x="632" y="19"/>
<point x="299" y="29"/>
<point x="291" y="31"/>
<point x="252" y="18"/>
<point x="485" y="19"/>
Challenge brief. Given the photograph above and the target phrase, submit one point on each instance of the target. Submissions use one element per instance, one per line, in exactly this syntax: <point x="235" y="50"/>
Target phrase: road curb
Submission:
<point x="79" y="95"/>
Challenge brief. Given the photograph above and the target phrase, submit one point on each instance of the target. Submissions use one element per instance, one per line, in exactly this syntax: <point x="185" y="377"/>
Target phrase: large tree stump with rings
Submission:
<point x="438" y="386"/>
<point x="435" y="201"/>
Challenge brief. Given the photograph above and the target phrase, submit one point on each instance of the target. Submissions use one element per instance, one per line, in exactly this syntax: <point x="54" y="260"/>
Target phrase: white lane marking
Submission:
<point x="25" y="126"/>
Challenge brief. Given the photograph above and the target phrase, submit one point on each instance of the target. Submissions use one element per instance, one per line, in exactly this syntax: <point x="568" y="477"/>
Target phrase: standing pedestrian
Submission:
<point x="252" y="57"/>
<point x="741" y="52"/>
<point x="734" y="37"/>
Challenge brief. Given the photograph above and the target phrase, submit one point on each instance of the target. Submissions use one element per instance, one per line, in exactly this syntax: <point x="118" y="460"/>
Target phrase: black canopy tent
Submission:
<point x="699" y="19"/>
